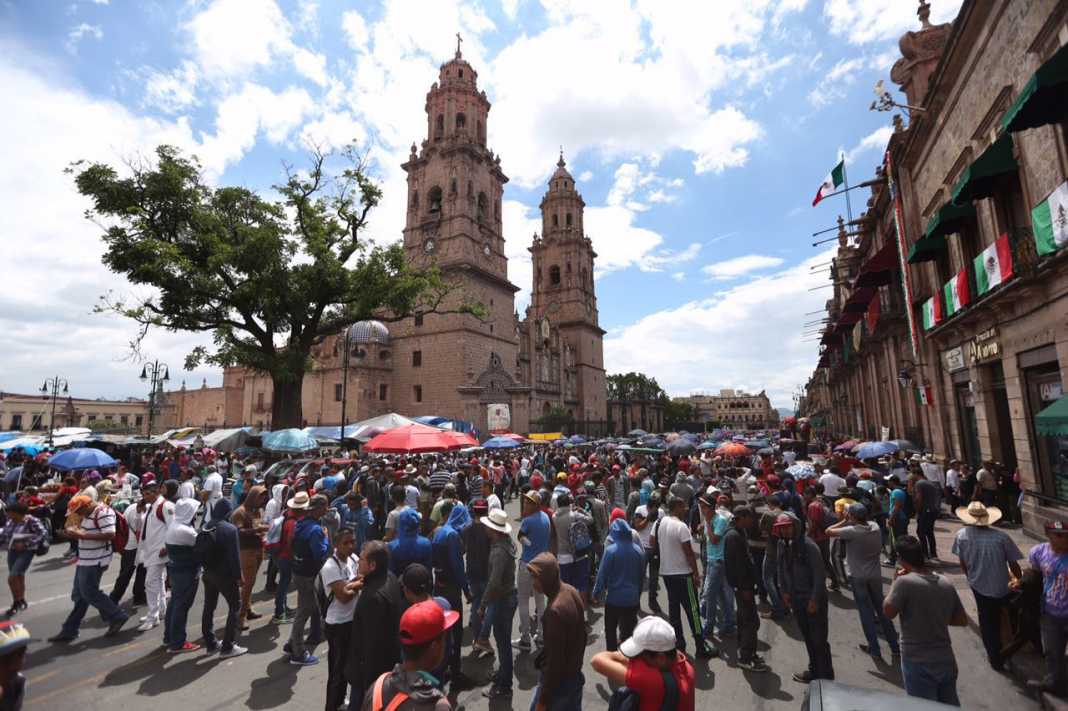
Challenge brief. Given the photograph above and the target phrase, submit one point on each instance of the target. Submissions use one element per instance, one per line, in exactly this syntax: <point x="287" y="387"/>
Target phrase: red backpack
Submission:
<point x="122" y="530"/>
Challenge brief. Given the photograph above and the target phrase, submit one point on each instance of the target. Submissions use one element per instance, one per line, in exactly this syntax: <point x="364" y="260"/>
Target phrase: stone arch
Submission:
<point x="567" y="219"/>
<point x="461" y="122"/>
<point x="434" y="199"/>
<point x="556" y="220"/>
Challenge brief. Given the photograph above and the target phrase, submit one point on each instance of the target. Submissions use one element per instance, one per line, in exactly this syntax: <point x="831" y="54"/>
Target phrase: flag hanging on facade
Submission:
<point x="1050" y="221"/>
<point x="923" y="395"/>
<point x="872" y="316"/>
<point x="957" y="293"/>
<point x="856" y="336"/>
<point x="831" y="183"/>
<point x="993" y="265"/>
<point x="932" y="312"/>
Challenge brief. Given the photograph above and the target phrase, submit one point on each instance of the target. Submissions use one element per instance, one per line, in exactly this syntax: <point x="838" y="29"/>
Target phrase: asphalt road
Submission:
<point x="133" y="671"/>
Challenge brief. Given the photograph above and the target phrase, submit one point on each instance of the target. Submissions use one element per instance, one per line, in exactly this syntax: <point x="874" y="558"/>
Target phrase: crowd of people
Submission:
<point x="386" y="554"/>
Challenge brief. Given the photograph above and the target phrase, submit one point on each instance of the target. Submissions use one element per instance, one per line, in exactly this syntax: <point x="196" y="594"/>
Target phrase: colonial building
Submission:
<point x="735" y="408"/>
<point x="948" y="324"/>
<point x="33" y="413"/>
<point x="446" y="362"/>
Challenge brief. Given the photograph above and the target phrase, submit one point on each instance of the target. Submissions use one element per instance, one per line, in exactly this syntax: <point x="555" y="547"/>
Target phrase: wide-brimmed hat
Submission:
<point x="497" y="519"/>
<point x="300" y="501"/>
<point x="533" y="497"/>
<point x="976" y="514"/>
<point x="410" y="469"/>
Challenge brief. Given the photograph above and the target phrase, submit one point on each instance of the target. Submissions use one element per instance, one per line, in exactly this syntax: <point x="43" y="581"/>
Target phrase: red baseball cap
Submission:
<point x="425" y="621"/>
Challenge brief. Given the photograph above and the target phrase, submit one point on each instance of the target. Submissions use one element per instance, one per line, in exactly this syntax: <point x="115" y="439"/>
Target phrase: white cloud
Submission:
<point x="659" y="260"/>
<point x="308" y="17"/>
<point x="679" y="276"/>
<point x="510" y="8"/>
<point x="585" y="176"/>
<point x="676" y="345"/>
<point x="831" y="86"/>
<point x="863" y="21"/>
<point x="876" y="140"/>
<point x="78" y="32"/>
<point x="174" y="91"/>
<point x="310" y="65"/>
<point x="740" y="266"/>
<point x="355" y="28"/>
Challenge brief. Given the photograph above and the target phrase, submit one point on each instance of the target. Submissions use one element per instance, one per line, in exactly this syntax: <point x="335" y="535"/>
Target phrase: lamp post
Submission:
<point x="357" y="333"/>
<point x="158" y="373"/>
<point x="53" y="386"/>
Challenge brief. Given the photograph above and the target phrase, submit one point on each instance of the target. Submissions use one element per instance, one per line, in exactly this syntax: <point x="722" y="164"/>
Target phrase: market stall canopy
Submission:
<point x="365" y="430"/>
<point x="1044" y="98"/>
<point x="13" y="434"/>
<point x="228" y="440"/>
<point x="500" y="443"/>
<point x="412" y="439"/>
<point x="25" y="441"/>
<point x="979" y="180"/>
<point x="1053" y="421"/>
<point x="946" y="221"/>
<point x="289" y="440"/>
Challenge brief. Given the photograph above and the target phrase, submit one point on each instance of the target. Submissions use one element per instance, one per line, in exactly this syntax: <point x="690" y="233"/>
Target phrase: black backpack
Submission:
<point x="324" y="597"/>
<point x="208" y="549"/>
<point x="624" y="699"/>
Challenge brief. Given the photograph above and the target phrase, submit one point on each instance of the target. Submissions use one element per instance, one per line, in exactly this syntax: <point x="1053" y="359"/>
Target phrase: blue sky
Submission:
<point x="698" y="133"/>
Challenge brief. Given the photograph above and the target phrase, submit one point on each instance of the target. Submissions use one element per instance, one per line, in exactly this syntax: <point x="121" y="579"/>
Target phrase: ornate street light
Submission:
<point x="158" y="373"/>
<point x="53" y="386"/>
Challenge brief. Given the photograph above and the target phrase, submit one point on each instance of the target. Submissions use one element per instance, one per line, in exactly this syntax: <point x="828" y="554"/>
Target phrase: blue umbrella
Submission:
<point x="874" y="450"/>
<point x="710" y="444"/>
<point x="82" y="458"/>
<point x="500" y="443"/>
<point x="576" y="439"/>
<point x="13" y="475"/>
<point x="291" y="440"/>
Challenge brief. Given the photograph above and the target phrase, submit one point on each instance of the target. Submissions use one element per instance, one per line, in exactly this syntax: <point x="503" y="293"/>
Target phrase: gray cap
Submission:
<point x="858" y="510"/>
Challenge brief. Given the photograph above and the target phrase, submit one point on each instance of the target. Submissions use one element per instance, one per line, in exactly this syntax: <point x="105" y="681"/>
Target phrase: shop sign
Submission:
<point x="985" y="347"/>
<point x="498" y="418"/>
<point x="885" y="432"/>
<point x="1048" y="392"/>
<point x="954" y="359"/>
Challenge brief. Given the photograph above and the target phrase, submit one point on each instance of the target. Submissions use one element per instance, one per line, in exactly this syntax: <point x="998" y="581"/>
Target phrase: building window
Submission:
<point x="556" y="221"/>
<point x="1013" y="215"/>
<point x="439" y="129"/>
<point x="434" y="199"/>
<point x="16" y="422"/>
<point x="461" y="120"/>
<point x="139" y="420"/>
<point x="481" y="206"/>
<point x="417" y="359"/>
<point x="415" y="199"/>
<point x="338" y="389"/>
<point x="470" y="189"/>
<point x="383" y="391"/>
<point x="417" y="393"/>
<point x="35" y="423"/>
<point x="481" y="132"/>
<point x="567" y="220"/>
<point x="124" y="419"/>
<point x="419" y="319"/>
<point x="554" y="275"/>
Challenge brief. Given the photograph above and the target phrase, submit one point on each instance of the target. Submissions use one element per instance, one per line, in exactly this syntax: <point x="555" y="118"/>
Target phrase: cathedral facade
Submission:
<point x="495" y="370"/>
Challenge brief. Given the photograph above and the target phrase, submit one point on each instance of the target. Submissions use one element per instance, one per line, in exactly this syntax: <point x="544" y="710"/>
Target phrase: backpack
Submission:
<point x="207" y="548"/>
<point x="376" y="699"/>
<point x="303" y="561"/>
<point x="272" y="540"/>
<point x="624" y="699"/>
<point x="578" y="535"/>
<point x="122" y="530"/>
<point x="324" y="597"/>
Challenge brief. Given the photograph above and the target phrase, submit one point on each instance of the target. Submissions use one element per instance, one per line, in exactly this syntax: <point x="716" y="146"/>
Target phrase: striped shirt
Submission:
<point x="439" y="479"/>
<point x="92" y="552"/>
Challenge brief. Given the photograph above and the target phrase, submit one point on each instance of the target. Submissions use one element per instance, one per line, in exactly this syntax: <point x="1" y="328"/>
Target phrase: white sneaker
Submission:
<point x="147" y="625"/>
<point x="143" y="619"/>
<point x="235" y="651"/>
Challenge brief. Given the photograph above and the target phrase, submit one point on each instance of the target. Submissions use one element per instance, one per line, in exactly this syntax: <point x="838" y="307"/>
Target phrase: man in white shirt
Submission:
<point x="682" y="577"/>
<point x="832" y="483"/>
<point x="491" y="498"/>
<point x="953" y="484"/>
<point x="187" y="489"/>
<point x="129" y="568"/>
<point x="338" y="576"/>
<point x="211" y="492"/>
<point x="152" y="552"/>
<point x="932" y="471"/>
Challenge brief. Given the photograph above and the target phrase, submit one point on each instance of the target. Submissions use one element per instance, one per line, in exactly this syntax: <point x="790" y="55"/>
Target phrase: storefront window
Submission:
<point x="1043" y="387"/>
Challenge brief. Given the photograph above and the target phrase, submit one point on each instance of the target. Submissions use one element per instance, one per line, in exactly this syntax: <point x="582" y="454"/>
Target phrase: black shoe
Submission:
<point x="461" y="682"/>
<point x="708" y="651"/>
<point x="253" y="615"/>
<point x="867" y="650"/>
<point x="62" y="639"/>
<point x="115" y="626"/>
<point x="803" y="677"/>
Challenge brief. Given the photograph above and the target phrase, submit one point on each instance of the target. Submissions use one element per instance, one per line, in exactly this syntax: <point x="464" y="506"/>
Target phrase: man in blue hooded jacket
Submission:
<point x="408" y="546"/>
<point x="621" y="573"/>
<point x="450" y="580"/>
<point x="310" y="549"/>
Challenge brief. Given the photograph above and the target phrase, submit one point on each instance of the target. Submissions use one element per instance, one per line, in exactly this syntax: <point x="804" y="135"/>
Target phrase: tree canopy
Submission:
<point x="634" y="386"/>
<point x="267" y="278"/>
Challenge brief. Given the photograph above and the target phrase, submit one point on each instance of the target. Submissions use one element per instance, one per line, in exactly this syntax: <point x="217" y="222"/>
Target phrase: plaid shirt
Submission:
<point x="30" y="532"/>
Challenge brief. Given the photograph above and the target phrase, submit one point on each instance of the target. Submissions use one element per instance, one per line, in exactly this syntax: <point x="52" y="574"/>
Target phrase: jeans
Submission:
<point x="718" y="599"/>
<point x="285" y="574"/>
<point x="526" y="591"/>
<point x="129" y="569"/>
<point x="652" y="574"/>
<point x="768" y="573"/>
<point x="576" y="574"/>
<point x="307" y="611"/>
<point x="503" y="611"/>
<point x="934" y="681"/>
<point x="814" y="629"/>
<point x="214" y="586"/>
<point x="478" y="586"/>
<point x="868" y="596"/>
<point x="899" y="528"/>
<point x="566" y="697"/>
<point x="681" y="595"/>
<point x="337" y="639"/>
<point x="618" y="618"/>
<point x="989" y="609"/>
<point x="748" y="624"/>
<point x="184" y="583"/>
<point x="1054" y="637"/>
<point x="925" y="523"/>
<point x="86" y="592"/>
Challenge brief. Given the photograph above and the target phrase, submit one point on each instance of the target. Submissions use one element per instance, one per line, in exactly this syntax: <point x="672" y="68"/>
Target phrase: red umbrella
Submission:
<point x="464" y="439"/>
<point x="512" y="435"/>
<point x="732" y="449"/>
<point x="847" y="446"/>
<point x="414" y="438"/>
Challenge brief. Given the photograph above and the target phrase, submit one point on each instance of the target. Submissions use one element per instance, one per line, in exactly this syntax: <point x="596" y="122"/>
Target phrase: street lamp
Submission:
<point x="54" y="386"/>
<point x="158" y="373"/>
<point x="359" y="332"/>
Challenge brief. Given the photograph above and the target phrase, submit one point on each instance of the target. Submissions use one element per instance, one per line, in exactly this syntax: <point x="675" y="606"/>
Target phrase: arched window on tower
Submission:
<point x="434" y="200"/>
<point x="415" y="199"/>
<point x="439" y="127"/>
<point x="554" y="275"/>
<point x="452" y="186"/>
<point x="481" y="206"/>
<point x="556" y="221"/>
<point x="461" y="123"/>
<point x="567" y="220"/>
<point x="481" y="133"/>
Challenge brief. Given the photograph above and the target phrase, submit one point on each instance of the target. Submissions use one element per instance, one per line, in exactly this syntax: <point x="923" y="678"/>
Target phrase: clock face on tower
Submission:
<point x="429" y="245"/>
<point x="486" y="250"/>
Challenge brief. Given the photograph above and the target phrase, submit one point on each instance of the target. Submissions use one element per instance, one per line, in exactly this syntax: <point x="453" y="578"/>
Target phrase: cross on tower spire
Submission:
<point x="560" y="163"/>
<point x="459" y="39"/>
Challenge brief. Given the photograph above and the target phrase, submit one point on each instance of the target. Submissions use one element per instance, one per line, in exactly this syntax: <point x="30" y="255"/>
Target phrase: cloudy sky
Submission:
<point x="698" y="132"/>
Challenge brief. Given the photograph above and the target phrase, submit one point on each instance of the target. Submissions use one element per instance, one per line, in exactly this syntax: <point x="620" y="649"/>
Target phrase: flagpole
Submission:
<point x="845" y="181"/>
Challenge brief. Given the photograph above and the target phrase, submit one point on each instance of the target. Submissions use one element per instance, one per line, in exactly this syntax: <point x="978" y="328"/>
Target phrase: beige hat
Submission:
<point x="410" y="469"/>
<point x="300" y="501"/>
<point x="975" y="514"/>
<point x="497" y="519"/>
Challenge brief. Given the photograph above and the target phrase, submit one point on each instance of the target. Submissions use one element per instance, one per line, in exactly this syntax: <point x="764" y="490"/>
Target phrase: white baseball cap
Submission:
<point x="652" y="634"/>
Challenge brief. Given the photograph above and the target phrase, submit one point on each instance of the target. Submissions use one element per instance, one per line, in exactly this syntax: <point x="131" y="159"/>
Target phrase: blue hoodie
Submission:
<point x="359" y="520"/>
<point x="309" y="547"/>
<point x="409" y="547"/>
<point x="449" y="549"/>
<point x="622" y="568"/>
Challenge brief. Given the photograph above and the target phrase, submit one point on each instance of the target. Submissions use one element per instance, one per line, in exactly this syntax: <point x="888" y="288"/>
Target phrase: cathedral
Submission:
<point x="496" y="371"/>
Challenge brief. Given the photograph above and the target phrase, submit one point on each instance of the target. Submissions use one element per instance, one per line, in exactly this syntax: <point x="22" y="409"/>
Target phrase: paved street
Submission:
<point x="133" y="671"/>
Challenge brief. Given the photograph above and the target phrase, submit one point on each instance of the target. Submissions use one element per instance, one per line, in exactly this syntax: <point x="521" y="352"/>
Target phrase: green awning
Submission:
<point x="944" y="222"/>
<point x="980" y="178"/>
<point x="1053" y="421"/>
<point x="1044" y="98"/>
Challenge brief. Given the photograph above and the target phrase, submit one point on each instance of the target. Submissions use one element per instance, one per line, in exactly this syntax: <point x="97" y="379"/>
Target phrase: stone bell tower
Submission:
<point x="563" y="293"/>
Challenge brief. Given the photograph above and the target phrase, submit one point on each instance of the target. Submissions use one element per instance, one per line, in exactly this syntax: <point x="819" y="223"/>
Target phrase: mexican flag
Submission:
<point x="932" y="312"/>
<point x="993" y="265"/>
<point x="923" y="395"/>
<point x="831" y="183"/>
<point x="1050" y="220"/>
<point x="957" y="293"/>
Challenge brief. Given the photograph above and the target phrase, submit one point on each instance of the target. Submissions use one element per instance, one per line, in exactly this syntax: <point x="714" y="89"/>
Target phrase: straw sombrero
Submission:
<point x="975" y="514"/>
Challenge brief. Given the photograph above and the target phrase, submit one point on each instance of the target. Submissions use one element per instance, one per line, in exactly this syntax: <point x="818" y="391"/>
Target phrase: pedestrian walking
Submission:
<point x="500" y="598"/>
<point x="409" y="546"/>
<point x="804" y="586"/>
<point x="129" y="568"/>
<point x="1051" y="560"/>
<point x="820" y="516"/>
<point x="770" y="567"/>
<point x="218" y="549"/>
<point x="928" y="605"/>
<point x="717" y="595"/>
<point x="682" y="578"/>
<point x="152" y="552"/>
<point x="450" y="583"/>
<point x="22" y="535"/>
<point x="644" y="664"/>
<point x="928" y="501"/>
<point x="573" y="537"/>
<point x="183" y="572"/>
<point x="477" y="544"/>
<point x="990" y="561"/>
<point x="309" y="553"/>
<point x="564" y="626"/>
<point x="743" y="576"/>
<point x="619" y="583"/>
<point x="374" y="648"/>
<point x="535" y="532"/>
<point x="341" y="586"/>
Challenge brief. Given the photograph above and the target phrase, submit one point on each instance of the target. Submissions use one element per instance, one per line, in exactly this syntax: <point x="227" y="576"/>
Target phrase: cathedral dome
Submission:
<point x="561" y="169"/>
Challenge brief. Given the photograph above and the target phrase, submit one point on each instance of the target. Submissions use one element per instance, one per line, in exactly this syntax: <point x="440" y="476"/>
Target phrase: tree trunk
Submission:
<point x="286" y="406"/>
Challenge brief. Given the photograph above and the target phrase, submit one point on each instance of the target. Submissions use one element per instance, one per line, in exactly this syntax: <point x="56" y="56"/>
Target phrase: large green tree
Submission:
<point x="634" y="386"/>
<point x="268" y="279"/>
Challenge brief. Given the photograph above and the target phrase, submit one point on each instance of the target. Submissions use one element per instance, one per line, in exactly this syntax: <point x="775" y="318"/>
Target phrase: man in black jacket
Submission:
<point x="742" y="576"/>
<point x="374" y="648"/>
<point x="217" y="547"/>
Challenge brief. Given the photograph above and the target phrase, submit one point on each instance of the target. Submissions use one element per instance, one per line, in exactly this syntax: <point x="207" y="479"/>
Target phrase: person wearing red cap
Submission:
<point x="422" y="634"/>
